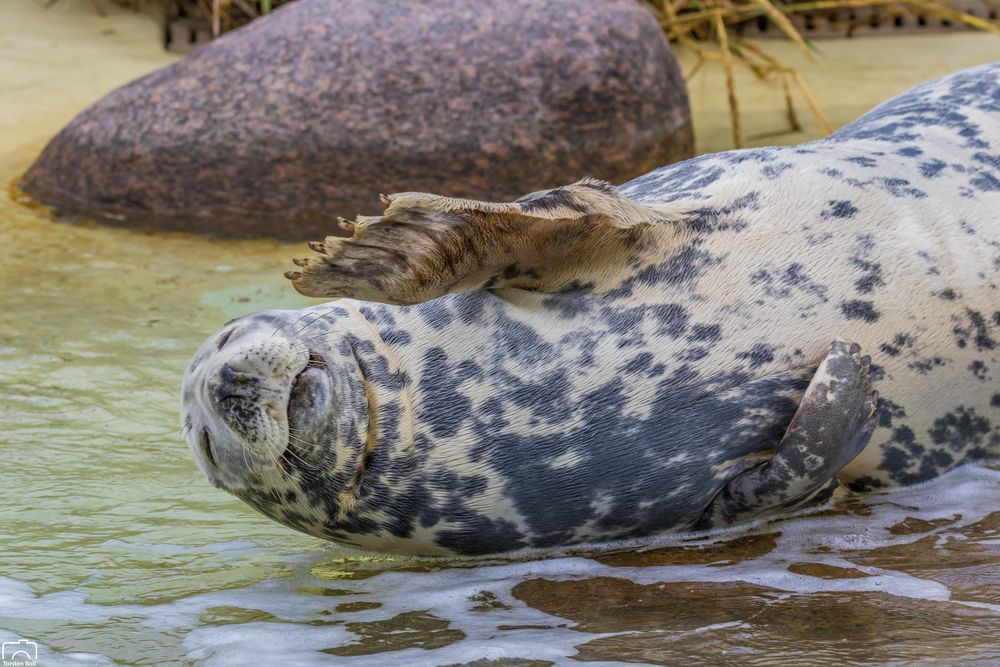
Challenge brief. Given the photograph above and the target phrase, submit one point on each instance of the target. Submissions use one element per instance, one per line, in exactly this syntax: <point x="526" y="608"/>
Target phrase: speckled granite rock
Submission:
<point x="311" y="112"/>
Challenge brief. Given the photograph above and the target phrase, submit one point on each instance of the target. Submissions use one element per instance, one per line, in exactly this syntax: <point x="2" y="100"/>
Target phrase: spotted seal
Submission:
<point x="595" y="363"/>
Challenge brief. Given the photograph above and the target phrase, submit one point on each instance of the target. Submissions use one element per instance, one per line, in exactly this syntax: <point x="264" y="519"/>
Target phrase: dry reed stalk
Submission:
<point x="727" y="64"/>
<point x="763" y="70"/>
<point x="216" y="19"/>
<point x="949" y="14"/>
<point x="793" y="120"/>
<point x="786" y="27"/>
<point x="814" y="106"/>
<point x="247" y="8"/>
<point x="819" y="5"/>
<point x="696" y="23"/>
<point x="220" y="16"/>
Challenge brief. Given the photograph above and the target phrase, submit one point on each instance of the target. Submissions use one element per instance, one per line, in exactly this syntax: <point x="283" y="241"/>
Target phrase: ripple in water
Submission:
<point x="117" y="550"/>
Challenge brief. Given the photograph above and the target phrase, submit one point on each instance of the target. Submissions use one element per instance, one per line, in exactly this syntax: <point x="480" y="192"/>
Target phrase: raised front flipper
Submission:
<point x="833" y="423"/>
<point x="424" y="246"/>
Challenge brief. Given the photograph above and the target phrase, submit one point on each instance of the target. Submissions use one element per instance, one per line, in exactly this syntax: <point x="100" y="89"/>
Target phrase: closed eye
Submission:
<point x="224" y="338"/>
<point x="205" y="445"/>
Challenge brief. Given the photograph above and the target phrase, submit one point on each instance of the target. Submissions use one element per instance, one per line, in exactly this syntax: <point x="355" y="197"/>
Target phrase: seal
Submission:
<point x="594" y="363"/>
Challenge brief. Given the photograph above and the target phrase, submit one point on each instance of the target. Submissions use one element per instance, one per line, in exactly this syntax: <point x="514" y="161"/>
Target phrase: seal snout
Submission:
<point x="258" y="400"/>
<point x="236" y="402"/>
<point x="233" y="384"/>
<point x="266" y="392"/>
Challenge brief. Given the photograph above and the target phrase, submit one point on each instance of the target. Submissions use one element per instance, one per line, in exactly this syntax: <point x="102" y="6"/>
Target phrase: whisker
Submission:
<point x="297" y="456"/>
<point x="273" y="450"/>
<point x="319" y="315"/>
<point x="291" y="459"/>
<point x="281" y="326"/>
<point x="246" y="461"/>
<point x="281" y="465"/>
<point x="298" y="345"/>
<point x="301" y="441"/>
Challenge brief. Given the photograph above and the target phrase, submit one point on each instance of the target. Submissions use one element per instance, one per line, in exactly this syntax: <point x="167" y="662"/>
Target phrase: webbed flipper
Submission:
<point x="833" y="423"/>
<point x="424" y="246"/>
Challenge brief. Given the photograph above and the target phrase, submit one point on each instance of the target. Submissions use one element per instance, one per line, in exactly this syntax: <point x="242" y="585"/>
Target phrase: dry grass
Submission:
<point x="706" y="28"/>
<point x="221" y="15"/>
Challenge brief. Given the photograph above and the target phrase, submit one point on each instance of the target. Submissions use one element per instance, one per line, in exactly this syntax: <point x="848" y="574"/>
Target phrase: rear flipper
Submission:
<point x="832" y="425"/>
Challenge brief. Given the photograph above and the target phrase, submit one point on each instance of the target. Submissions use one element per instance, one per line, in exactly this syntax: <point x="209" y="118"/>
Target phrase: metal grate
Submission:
<point x="862" y="21"/>
<point x="185" y="35"/>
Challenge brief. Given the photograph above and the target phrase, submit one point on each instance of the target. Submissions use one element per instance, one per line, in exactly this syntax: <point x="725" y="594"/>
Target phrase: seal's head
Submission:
<point x="259" y="405"/>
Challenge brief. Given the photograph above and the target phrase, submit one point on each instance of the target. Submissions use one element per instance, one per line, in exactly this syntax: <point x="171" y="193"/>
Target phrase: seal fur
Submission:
<point x="596" y="363"/>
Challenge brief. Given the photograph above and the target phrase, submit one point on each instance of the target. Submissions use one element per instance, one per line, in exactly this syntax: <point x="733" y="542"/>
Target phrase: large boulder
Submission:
<point x="312" y="111"/>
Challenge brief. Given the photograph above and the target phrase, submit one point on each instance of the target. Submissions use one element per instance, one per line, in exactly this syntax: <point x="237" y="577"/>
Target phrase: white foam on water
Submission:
<point x="17" y="600"/>
<point x="970" y="493"/>
<point x="446" y="593"/>
<point x="262" y="644"/>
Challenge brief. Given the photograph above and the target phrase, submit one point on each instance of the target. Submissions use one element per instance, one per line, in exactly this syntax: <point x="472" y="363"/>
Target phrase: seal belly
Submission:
<point x="612" y="475"/>
<point x="535" y="429"/>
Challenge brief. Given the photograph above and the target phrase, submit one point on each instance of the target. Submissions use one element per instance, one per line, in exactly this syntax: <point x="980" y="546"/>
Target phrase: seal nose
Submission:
<point x="227" y="374"/>
<point x="234" y="383"/>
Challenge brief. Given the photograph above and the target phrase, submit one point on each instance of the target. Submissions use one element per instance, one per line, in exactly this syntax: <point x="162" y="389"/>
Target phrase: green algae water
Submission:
<point x="117" y="551"/>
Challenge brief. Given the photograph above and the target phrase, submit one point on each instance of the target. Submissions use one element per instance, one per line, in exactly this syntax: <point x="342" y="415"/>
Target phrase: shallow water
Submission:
<point x="117" y="551"/>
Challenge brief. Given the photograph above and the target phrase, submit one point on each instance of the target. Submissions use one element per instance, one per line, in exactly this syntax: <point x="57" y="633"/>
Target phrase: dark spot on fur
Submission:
<point x="672" y="319"/>
<point x="876" y="373"/>
<point x="977" y="331"/>
<point x="924" y="366"/>
<point x="859" y="310"/>
<point x="872" y="277"/>
<point x="960" y="429"/>
<point x="695" y="353"/>
<point x="705" y="333"/>
<point x="889" y="411"/>
<point x="840" y="208"/>
<point x="893" y="348"/>
<point x="865" y="484"/>
<point x="758" y="355"/>
<point x="560" y="197"/>
<point x="396" y="337"/>
<point x="623" y="320"/>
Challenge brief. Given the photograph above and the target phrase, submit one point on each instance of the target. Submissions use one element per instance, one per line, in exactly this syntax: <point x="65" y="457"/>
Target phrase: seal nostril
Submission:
<point x="230" y="377"/>
<point x="227" y="374"/>
<point x="206" y="448"/>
